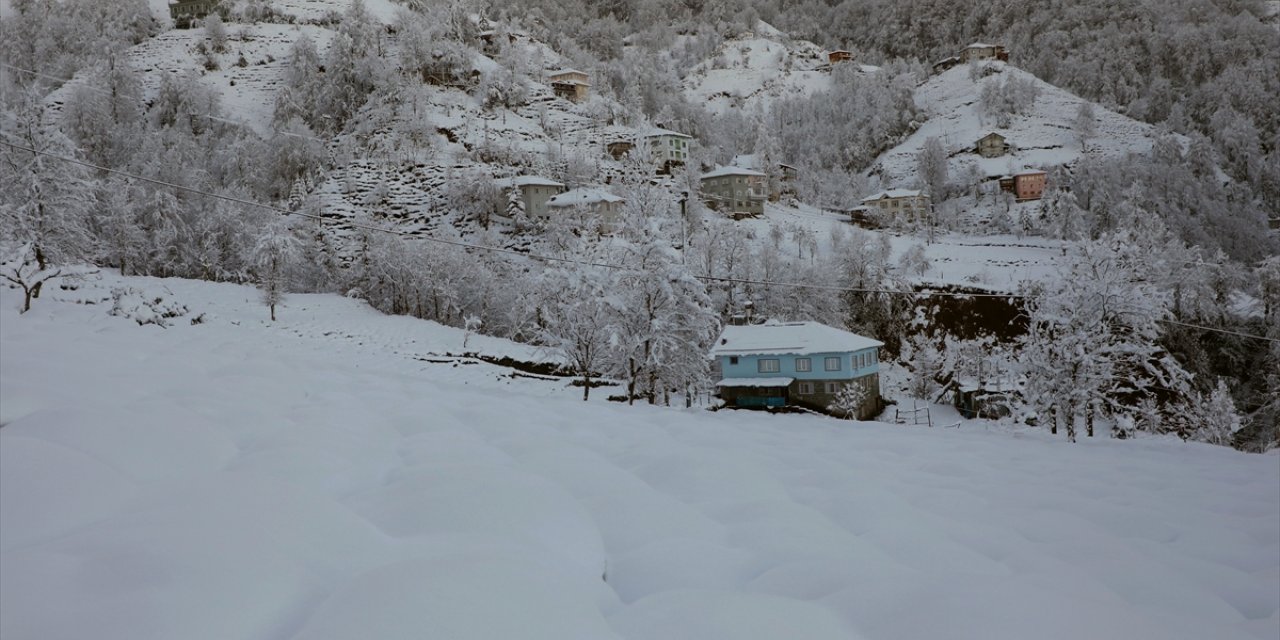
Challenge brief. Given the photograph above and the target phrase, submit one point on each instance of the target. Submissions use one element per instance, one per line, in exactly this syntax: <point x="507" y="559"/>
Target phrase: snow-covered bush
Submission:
<point x="144" y="308"/>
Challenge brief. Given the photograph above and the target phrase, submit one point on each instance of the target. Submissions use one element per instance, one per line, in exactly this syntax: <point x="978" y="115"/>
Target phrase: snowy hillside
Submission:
<point x="324" y="477"/>
<point x="749" y="72"/>
<point x="1041" y="138"/>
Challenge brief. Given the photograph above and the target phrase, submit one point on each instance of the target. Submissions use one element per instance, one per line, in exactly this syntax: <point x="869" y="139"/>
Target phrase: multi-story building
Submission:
<point x="735" y="191"/>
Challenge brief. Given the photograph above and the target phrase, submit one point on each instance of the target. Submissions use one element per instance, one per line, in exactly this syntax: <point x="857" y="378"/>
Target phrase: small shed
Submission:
<point x="839" y="55"/>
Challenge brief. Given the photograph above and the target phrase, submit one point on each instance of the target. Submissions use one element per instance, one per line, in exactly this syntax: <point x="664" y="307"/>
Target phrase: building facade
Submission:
<point x="186" y="12"/>
<point x="839" y="55"/>
<point x="803" y="364"/>
<point x="735" y="191"/>
<point x="908" y="205"/>
<point x="602" y="208"/>
<point x="1026" y="185"/>
<point x="983" y="51"/>
<point x="667" y="148"/>
<point x="570" y="84"/>
<point x="992" y="145"/>
<point x="534" y="193"/>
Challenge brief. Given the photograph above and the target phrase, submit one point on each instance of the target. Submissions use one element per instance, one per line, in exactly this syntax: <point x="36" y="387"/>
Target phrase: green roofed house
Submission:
<point x="804" y="364"/>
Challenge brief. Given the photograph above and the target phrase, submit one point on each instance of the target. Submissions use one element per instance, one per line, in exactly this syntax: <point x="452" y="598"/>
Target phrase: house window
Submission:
<point x="768" y="365"/>
<point x="832" y="388"/>
<point x="833" y="364"/>
<point x="804" y="364"/>
<point x="806" y="388"/>
<point x="733" y="359"/>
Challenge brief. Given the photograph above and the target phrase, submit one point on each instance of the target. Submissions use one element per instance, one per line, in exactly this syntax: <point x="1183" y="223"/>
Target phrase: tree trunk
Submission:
<point x="1053" y="420"/>
<point x="1089" y="423"/>
<point x="586" y="386"/>
<point x="273" y="312"/>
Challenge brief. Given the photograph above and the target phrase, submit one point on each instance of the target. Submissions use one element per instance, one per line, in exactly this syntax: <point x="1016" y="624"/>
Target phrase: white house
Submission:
<point x="534" y="191"/>
<point x="666" y="147"/>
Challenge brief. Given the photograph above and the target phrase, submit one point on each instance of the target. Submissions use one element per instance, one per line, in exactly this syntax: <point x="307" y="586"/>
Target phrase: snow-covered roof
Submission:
<point x="581" y="197"/>
<point x="527" y="181"/>
<point x="1029" y="172"/>
<point x="894" y="193"/>
<point x="789" y="338"/>
<point x="982" y="45"/>
<point x="564" y="72"/>
<point x="837" y="51"/>
<point x="755" y="382"/>
<point x="659" y="131"/>
<point x="731" y="171"/>
<point x="991" y="133"/>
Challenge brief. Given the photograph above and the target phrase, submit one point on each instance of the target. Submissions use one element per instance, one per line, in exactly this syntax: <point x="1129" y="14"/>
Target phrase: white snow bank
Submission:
<point x="317" y="478"/>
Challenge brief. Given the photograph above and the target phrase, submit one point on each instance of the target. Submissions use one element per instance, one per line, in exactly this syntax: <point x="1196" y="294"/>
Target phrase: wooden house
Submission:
<point x="992" y="145"/>
<point x="900" y="204"/>
<point x="185" y="13"/>
<point x="1025" y="185"/>
<point x="734" y="191"/>
<point x="804" y="364"/>
<point x="983" y="51"/>
<point x="602" y="207"/>
<point x="839" y="55"/>
<point x="570" y="84"/>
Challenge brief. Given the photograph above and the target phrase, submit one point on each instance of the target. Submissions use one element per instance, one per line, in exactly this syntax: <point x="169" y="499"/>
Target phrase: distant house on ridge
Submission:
<point x="804" y="364"/>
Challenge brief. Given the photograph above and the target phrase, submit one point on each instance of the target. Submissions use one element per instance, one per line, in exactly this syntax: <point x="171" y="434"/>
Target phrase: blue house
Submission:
<point x="796" y="364"/>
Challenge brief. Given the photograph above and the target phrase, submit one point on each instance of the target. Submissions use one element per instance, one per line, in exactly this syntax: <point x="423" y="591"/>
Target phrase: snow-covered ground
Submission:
<point x="316" y="478"/>
<point x="996" y="262"/>
<point x="751" y="71"/>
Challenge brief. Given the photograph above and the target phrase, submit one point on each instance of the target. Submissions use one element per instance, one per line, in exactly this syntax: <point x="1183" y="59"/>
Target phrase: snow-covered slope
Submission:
<point x="1042" y="138"/>
<point x="752" y="70"/>
<point x="311" y="478"/>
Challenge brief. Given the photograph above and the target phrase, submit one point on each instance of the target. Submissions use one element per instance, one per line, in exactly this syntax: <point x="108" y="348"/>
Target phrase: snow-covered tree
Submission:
<point x="1217" y="418"/>
<point x="1085" y="124"/>
<point x="46" y="201"/>
<point x="849" y="400"/>
<point x="274" y="254"/>
<point x="575" y="320"/>
<point x="1091" y="347"/>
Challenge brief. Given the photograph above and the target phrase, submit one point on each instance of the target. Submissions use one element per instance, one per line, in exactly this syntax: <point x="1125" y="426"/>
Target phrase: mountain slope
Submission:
<point x="1043" y="137"/>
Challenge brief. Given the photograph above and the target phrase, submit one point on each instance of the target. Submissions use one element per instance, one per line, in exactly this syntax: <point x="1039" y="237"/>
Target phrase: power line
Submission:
<point x="587" y="263"/>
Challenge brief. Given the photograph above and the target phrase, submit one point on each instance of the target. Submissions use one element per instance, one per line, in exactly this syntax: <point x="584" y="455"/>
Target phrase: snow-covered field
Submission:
<point x="321" y="477"/>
